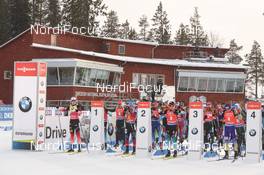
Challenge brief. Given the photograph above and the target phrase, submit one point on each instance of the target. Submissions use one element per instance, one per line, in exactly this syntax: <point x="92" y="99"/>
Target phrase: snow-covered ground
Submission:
<point x="41" y="163"/>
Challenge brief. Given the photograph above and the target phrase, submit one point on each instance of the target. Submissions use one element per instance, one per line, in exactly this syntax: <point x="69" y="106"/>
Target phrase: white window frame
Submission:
<point x="225" y="76"/>
<point x="119" y="49"/>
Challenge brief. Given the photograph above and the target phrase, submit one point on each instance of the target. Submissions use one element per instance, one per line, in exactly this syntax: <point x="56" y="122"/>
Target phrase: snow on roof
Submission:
<point x="169" y="62"/>
<point x="73" y="62"/>
<point x="131" y="41"/>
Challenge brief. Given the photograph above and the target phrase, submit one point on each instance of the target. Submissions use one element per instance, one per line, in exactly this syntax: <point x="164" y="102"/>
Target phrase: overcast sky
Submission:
<point x="239" y="19"/>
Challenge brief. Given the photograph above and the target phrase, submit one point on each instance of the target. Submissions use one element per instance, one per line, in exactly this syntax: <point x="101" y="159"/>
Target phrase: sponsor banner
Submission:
<point x="143" y="144"/>
<point x="99" y="104"/>
<point x="254" y="132"/>
<point x="56" y="128"/>
<point x="26" y="69"/>
<point x="6" y="113"/>
<point x="29" y="104"/>
<point x="144" y="105"/>
<point x="253" y="105"/>
<point x="195" y="138"/>
<point x="196" y="105"/>
<point x="6" y="125"/>
<point x="111" y="127"/>
<point x="97" y="135"/>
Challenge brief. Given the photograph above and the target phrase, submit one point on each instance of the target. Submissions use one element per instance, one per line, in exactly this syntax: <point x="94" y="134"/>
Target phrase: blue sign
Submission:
<point x="6" y="113"/>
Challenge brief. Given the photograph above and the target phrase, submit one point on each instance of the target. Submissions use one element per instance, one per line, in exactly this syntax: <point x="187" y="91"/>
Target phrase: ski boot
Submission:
<point x="168" y="154"/>
<point x="134" y="151"/>
<point x="175" y="153"/>
<point x="226" y="155"/>
<point x="71" y="149"/>
<point x="236" y="155"/>
<point x="153" y="146"/>
<point x="161" y="146"/>
<point x="127" y="150"/>
<point x="79" y="148"/>
<point x="116" y="145"/>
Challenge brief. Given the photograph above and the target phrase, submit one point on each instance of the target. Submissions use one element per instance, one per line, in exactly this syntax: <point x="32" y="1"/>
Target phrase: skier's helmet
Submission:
<point x="73" y="100"/>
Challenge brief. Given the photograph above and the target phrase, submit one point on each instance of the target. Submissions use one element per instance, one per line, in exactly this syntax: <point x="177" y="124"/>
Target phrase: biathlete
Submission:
<point x="120" y="124"/>
<point x="171" y="129"/>
<point x="229" y="132"/>
<point x="156" y="126"/>
<point x="130" y="119"/>
<point x="74" y="111"/>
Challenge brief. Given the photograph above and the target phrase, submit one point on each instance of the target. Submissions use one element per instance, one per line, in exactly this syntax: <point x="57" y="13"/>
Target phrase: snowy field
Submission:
<point x="42" y="163"/>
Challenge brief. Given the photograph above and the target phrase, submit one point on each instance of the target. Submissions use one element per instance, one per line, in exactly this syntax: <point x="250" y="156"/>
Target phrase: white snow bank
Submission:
<point x="42" y="163"/>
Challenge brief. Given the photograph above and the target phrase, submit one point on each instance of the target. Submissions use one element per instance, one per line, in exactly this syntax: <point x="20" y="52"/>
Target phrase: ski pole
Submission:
<point x="62" y="141"/>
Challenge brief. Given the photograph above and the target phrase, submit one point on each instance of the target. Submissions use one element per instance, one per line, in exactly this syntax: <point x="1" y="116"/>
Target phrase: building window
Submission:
<point x="220" y="85"/>
<point x="230" y="85"/>
<point x="212" y="84"/>
<point x="7" y="75"/>
<point x="121" y="49"/>
<point x="52" y="76"/>
<point x="92" y="77"/>
<point x="147" y="79"/>
<point x="108" y="47"/>
<point x="239" y="86"/>
<point x="53" y="40"/>
<point x="66" y="75"/>
<point x="204" y="82"/>
<point x="183" y="83"/>
<point x="82" y="76"/>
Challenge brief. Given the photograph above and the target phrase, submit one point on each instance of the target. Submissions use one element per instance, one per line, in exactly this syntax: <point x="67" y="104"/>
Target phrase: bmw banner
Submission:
<point x="97" y="133"/>
<point x="29" y="105"/>
<point x="254" y="132"/>
<point x="143" y="144"/>
<point x="195" y="130"/>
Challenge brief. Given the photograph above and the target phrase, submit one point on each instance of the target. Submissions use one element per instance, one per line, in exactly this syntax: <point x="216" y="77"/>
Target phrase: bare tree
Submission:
<point x="215" y="40"/>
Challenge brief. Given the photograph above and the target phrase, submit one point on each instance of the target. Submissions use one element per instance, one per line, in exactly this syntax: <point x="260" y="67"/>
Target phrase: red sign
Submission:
<point x="26" y="69"/>
<point x="196" y="105"/>
<point x="42" y="69"/>
<point x="253" y="105"/>
<point x="144" y="105"/>
<point x="99" y="104"/>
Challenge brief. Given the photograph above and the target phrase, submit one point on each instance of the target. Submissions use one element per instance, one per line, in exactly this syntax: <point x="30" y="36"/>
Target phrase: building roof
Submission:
<point x="169" y="62"/>
<point x="150" y="43"/>
<point x="19" y="35"/>
<point x="73" y="62"/>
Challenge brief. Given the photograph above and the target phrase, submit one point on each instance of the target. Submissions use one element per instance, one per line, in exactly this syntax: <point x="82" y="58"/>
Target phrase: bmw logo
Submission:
<point x="41" y="100"/>
<point x="40" y="134"/>
<point x="252" y="132"/>
<point x="194" y="131"/>
<point x="41" y="117"/>
<point x="95" y="128"/>
<point x="142" y="129"/>
<point x="110" y="129"/>
<point x="42" y="83"/>
<point x="25" y="104"/>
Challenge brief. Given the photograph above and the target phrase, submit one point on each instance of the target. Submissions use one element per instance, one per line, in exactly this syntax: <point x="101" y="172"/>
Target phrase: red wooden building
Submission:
<point x="77" y="64"/>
